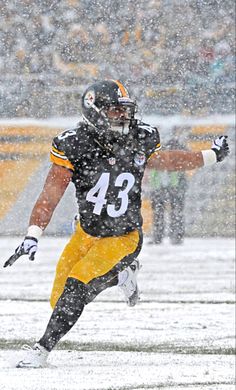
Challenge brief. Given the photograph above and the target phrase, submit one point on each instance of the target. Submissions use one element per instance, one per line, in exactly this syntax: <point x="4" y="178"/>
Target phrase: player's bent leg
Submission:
<point x="106" y="254"/>
<point x="73" y="252"/>
<point x="66" y="312"/>
<point x="77" y="293"/>
<point x="68" y="309"/>
<point x="94" y="273"/>
<point x="125" y="271"/>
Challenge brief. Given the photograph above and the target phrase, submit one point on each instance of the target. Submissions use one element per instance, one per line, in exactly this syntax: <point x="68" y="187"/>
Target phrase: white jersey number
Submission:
<point x="66" y="134"/>
<point x="97" y="194"/>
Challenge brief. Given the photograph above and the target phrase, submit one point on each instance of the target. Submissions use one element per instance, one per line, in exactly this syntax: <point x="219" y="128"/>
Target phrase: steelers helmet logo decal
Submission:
<point x="89" y="98"/>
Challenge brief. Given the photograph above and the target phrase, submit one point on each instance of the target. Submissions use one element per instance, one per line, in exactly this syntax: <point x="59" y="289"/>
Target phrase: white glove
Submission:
<point x="220" y="147"/>
<point x="28" y="247"/>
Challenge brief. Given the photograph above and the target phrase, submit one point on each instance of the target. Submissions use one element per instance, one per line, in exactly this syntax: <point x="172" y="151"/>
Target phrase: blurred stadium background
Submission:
<point x="178" y="59"/>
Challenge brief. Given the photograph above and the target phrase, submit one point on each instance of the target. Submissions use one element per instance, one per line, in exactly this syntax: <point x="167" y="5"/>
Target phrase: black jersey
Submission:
<point x="107" y="177"/>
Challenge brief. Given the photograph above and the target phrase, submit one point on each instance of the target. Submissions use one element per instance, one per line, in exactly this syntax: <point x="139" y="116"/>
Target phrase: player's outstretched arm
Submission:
<point x="55" y="185"/>
<point x="180" y="160"/>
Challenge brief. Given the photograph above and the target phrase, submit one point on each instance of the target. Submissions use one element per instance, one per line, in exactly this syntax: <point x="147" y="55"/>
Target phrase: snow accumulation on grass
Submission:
<point x="180" y="336"/>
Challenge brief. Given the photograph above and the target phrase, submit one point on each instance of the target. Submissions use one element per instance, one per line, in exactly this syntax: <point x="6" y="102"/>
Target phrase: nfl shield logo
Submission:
<point x="112" y="160"/>
<point x="139" y="158"/>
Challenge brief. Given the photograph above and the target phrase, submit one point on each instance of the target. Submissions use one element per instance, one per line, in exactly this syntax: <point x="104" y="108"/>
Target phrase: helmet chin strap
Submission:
<point x="88" y="122"/>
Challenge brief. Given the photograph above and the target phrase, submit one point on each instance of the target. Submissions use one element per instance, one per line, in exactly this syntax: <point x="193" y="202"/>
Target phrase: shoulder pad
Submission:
<point x="149" y="136"/>
<point x="63" y="146"/>
<point x="147" y="128"/>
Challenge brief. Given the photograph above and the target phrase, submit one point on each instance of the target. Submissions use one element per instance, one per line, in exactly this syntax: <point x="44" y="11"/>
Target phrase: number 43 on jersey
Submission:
<point x="97" y="194"/>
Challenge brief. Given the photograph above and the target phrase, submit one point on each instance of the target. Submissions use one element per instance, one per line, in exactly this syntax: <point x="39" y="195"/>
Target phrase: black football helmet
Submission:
<point x="106" y="105"/>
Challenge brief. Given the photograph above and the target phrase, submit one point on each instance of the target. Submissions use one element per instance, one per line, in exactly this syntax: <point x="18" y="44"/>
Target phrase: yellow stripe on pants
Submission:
<point x="86" y="257"/>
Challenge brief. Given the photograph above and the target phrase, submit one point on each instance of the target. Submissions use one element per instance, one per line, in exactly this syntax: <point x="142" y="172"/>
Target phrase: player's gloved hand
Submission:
<point x="220" y="147"/>
<point x="28" y="247"/>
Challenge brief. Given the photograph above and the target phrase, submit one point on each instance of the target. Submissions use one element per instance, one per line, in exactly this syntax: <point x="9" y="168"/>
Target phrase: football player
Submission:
<point x="105" y="156"/>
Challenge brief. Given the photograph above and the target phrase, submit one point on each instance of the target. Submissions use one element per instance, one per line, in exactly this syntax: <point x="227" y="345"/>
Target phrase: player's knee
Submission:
<point x="76" y="291"/>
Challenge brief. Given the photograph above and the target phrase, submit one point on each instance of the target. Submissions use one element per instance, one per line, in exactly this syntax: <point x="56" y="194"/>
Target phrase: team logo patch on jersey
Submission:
<point x="139" y="158"/>
<point x="112" y="160"/>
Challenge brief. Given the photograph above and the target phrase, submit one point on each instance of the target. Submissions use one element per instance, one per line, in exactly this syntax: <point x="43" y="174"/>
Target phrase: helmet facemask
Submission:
<point x="120" y="116"/>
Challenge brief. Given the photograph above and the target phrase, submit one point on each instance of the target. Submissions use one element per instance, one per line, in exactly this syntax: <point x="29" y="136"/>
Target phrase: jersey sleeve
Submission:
<point x="58" y="154"/>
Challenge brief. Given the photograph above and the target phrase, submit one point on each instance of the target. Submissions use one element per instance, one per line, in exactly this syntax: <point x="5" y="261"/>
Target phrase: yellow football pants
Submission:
<point x="86" y="257"/>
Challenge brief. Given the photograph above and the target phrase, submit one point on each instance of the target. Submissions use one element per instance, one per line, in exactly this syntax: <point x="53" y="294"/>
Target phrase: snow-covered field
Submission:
<point x="180" y="336"/>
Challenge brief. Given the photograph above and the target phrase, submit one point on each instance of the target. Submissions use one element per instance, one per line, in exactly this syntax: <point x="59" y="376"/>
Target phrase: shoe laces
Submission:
<point x="26" y="347"/>
<point x="35" y="347"/>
